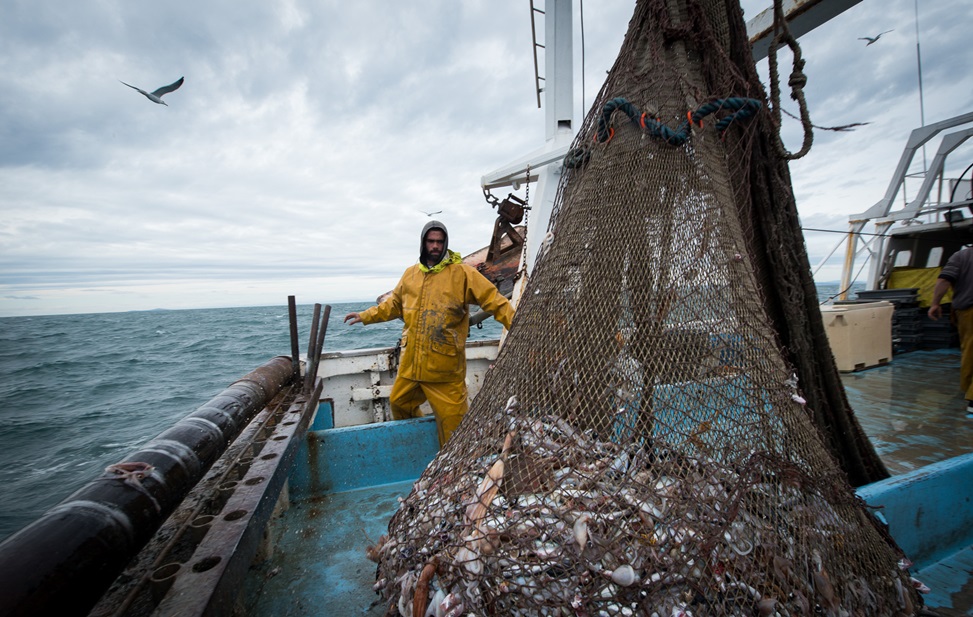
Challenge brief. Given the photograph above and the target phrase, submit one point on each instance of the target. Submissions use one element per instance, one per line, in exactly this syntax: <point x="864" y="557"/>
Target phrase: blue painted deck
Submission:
<point x="340" y="503"/>
<point x="343" y="499"/>
<point x="932" y="522"/>
<point x="319" y="566"/>
<point x="915" y="414"/>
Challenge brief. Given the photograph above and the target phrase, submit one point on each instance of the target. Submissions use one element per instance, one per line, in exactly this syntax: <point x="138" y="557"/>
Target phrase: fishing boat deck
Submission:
<point x="910" y="408"/>
<point x="322" y="569"/>
<point x="914" y="412"/>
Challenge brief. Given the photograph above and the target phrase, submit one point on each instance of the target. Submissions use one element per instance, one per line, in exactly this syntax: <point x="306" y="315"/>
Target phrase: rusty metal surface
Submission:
<point x="314" y="358"/>
<point x="68" y="558"/>
<point x="209" y="582"/>
<point x="177" y="538"/>
<point x="292" y="321"/>
<point x="194" y="565"/>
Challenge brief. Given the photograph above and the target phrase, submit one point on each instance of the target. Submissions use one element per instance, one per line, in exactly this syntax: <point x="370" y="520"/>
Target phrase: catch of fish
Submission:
<point x="560" y="521"/>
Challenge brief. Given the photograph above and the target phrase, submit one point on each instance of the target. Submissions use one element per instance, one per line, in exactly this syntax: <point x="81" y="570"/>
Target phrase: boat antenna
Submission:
<point x="581" y="7"/>
<point x="922" y="108"/>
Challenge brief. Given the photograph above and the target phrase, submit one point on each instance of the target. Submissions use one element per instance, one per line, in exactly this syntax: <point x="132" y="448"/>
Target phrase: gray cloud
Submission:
<point x="309" y="135"/>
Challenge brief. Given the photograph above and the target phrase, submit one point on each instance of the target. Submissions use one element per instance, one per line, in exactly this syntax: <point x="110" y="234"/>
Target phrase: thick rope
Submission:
<point x="743" y="109"/>
<point x="797" y="81"/>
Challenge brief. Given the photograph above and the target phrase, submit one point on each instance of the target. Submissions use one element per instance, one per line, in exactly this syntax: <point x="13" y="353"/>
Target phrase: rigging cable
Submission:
<point x="959" y="181"/>
<point x="838" y="231"/>
<point x="848" y="288"/>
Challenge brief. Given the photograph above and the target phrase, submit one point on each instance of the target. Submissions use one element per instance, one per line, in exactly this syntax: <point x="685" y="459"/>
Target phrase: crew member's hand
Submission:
<point x="935" y="311"/>
<point x="353" y="318"/>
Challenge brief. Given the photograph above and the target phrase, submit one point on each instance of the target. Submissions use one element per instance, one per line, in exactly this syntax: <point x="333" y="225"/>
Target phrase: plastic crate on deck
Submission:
<point x="860" y="334"/>
<point x="898" y="297"/>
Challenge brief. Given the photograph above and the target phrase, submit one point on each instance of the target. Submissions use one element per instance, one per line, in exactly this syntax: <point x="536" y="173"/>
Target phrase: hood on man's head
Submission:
<point x="422" y="239"/>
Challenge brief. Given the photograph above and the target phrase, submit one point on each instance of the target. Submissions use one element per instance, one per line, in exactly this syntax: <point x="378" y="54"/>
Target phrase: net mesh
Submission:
<point x="642" y="446"/>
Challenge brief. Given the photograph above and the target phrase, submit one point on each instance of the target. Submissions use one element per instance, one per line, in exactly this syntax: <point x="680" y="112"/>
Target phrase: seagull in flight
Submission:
<point x="873" y="39"/>
<point x="431" y="213"/>
<point x="156" y="95"/>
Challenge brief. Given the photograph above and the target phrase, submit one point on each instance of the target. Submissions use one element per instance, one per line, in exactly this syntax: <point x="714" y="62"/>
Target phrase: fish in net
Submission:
<point x="642" y="445"/>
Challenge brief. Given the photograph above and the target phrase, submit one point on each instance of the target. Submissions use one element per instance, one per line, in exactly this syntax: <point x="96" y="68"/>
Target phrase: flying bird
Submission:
<point x="872" y="39"/>
<point x="431" y="213"/>
<point x="156" y="95"/>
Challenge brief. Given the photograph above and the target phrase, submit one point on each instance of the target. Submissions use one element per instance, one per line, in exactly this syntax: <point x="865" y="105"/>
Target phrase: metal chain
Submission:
<point x="491" y="200"/>
<point x="494" y="202"/>
<point x="523" y="250"/>
<point x="527" y="185"/>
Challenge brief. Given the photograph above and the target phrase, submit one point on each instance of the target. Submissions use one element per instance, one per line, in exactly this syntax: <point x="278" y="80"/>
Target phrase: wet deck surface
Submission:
<point x="913" y="409"/>
<point x="951" y="585"/>
<point x="319" y="566"/>
<point x="915" y="414"/>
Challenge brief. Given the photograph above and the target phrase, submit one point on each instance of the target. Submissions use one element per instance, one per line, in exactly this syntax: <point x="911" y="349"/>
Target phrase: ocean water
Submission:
<point x="80" y="392"/>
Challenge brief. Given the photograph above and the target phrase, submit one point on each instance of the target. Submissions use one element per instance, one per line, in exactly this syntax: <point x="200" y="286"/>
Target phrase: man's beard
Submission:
<point x="435" y="256"/>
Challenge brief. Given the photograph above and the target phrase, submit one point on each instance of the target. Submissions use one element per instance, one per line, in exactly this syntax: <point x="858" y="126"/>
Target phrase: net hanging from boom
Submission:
<point x="643" y="445"/>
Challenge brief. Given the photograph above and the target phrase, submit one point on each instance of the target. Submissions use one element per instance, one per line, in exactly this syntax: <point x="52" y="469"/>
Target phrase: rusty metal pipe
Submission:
<point x="312" y="371"/>
<point x="308" y="377"/>
<point x="292" y="318"/>
<point x="65" y="560"/>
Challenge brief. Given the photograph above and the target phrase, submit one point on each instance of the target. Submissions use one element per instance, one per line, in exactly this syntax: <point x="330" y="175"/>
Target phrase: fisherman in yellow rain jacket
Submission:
<point x="433" y="299"/>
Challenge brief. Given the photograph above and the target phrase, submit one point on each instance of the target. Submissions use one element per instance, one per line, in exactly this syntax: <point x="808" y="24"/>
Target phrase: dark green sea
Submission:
<point x="80" y="392"/>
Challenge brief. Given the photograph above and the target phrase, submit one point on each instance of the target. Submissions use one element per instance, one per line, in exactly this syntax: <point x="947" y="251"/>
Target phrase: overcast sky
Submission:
<point x="311" y="135"/>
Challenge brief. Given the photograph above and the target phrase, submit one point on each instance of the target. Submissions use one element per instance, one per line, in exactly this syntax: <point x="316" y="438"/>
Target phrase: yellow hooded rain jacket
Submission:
<point x="434" y="304"/>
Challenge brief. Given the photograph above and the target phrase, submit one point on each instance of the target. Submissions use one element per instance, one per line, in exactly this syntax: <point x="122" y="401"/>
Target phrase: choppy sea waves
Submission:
<point x="80" y="392"/>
